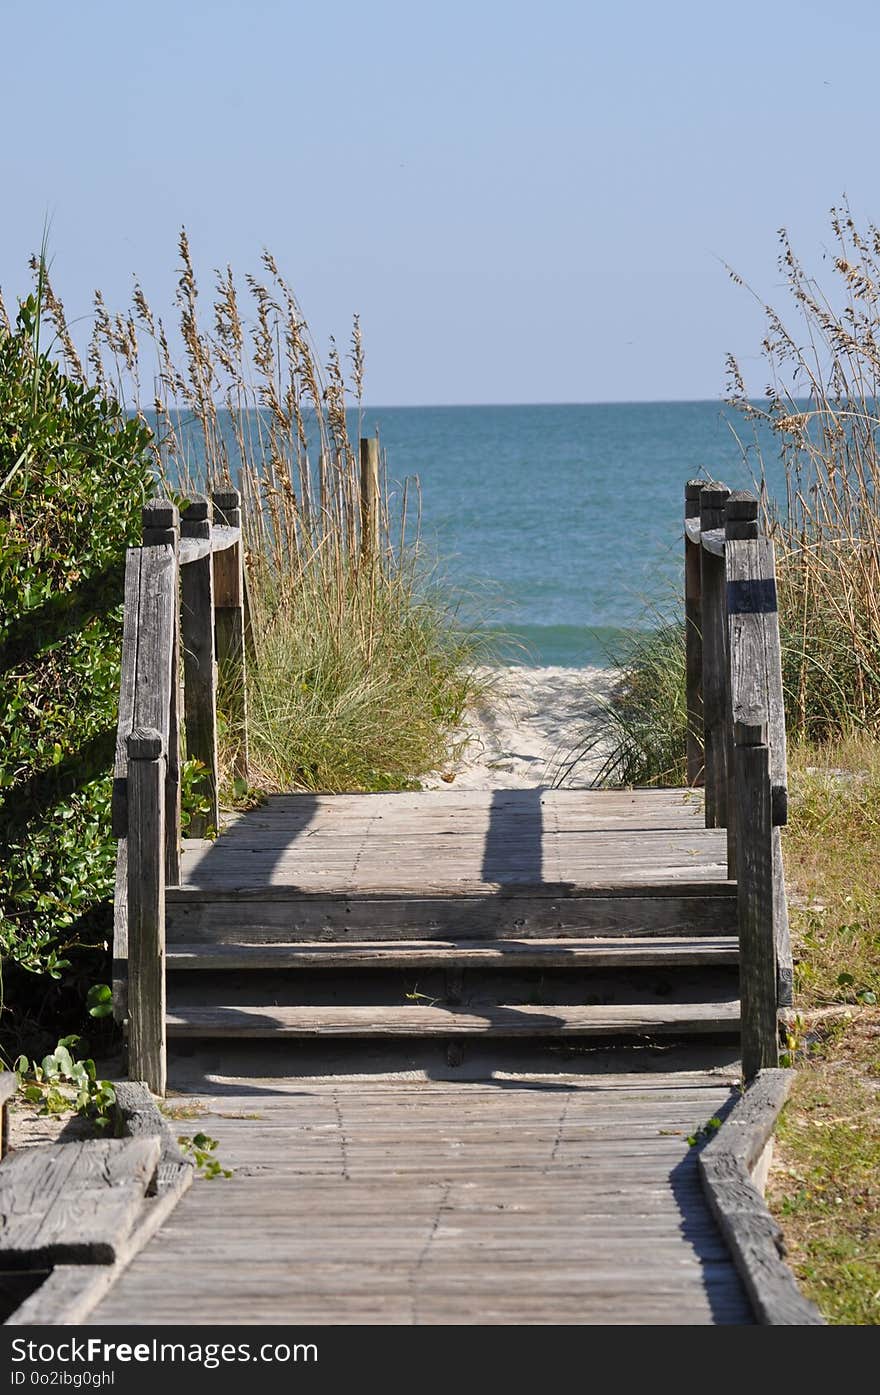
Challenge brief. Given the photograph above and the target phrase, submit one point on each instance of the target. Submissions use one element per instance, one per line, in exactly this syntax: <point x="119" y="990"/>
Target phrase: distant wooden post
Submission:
<point x="757" y="946"/>
<point x="369" y="498"/>
<point x="199" y="662"/>
<point x="229" y="629"/>
<point x="161" y="528"/>
<point x="715" y="681"/>
<point x="693" y="623"/>
<point x="146" y="907"/>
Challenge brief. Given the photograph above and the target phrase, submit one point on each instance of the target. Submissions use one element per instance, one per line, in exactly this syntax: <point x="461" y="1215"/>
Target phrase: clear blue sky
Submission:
<point x="525" y="202"/>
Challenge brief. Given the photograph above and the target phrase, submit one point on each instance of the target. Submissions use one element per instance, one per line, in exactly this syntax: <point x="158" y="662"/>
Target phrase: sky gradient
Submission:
<point x="525" y="203"/>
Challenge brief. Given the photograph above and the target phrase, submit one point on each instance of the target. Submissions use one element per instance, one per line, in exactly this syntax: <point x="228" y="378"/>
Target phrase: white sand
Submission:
<point x="525" y="731"/>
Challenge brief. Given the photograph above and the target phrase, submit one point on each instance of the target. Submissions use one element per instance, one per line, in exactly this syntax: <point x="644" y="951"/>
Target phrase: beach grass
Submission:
<point x="362" y="665"/>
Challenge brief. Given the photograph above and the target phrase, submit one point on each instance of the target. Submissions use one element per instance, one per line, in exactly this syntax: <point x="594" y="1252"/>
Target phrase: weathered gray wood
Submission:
<point x="72" y="1202"/>
<point x="598" y="953"/>
<point x="127" y="687"/>
<point x="260" y="917"/>
<point x="760" y="1031"/>
<point x="194" y="547"/>
<point x="727" y="1165"/>
<point x="120" y="934"/>
<point x="199" y="665"/>
<point x="756" y="695"/>
<point x="421" y="1202"/>
<point x="693" y="621"/>
<point x="146" y="907"/>
<point x="369" y="460"/>
<point x="524" y="1020"/>
<point x="229" y="629"/>
<point x="715" y="669"/>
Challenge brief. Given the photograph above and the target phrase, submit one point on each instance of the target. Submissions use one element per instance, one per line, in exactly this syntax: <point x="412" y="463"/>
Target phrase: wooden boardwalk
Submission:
<point x="401" y="1202"/>
<point x="387" y="950"/>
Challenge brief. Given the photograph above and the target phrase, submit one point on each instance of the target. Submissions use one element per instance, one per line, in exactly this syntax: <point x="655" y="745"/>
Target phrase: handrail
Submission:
<point x="184" y="587"/>
<point x="736" y="737"/>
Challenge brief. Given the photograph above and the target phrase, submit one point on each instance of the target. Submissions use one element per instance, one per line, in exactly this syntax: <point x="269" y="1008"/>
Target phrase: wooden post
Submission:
<point x="161" y="527"/>
<point x="146" y="908"/>
<point x="369" y="498"/>
<point x="693" y="624"/>
<point x="740" y="525"/>
<point x="199" y="663"/>
<point x="757" y="947"/>
<point x="715" y="680"/>
<point x="229" y="638"/>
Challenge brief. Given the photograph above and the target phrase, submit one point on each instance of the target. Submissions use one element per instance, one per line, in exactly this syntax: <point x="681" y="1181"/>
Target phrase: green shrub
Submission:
<point x="74" y="471"/>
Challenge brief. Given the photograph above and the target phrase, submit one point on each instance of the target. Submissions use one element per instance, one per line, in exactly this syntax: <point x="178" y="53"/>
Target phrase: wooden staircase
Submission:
<point x="518" y="914"/>
<point x="638" y="915"/>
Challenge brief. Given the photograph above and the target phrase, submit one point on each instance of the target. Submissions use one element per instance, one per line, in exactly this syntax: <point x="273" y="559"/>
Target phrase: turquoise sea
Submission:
<point x="560" y="525"/>
<point x="564" y="522"/>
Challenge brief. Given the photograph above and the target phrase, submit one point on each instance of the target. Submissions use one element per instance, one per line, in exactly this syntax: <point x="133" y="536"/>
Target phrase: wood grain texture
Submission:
<point x="146" y="908"/>
<point x="229" y="635"/>
<point x="715" y="669"/>
<point x="396" y="1202"/>
<point x="693" y="621"/>
<point x="525" y="1020"/>
<point x="596" y="953"/>
<point x="760" y="1030"/>
<point x="727" y="1165"/>
<point x="72" y="1202"/>
<point x="200" y="670"/>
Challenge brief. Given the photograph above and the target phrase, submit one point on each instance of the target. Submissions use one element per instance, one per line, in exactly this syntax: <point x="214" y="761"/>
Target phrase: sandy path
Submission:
<point x="525" y="730"/>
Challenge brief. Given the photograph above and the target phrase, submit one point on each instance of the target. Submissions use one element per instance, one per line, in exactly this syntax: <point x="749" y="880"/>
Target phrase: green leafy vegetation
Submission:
<point x="202" y="1149"/>
<point x="74" y="470"/>
<point x="62" y="1083"/>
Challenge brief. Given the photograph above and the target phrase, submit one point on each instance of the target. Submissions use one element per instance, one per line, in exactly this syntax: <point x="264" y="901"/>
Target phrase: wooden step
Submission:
<point x="524" y="1020"/>
<point x="284" y="913"/>
<point x="599" y="952"/>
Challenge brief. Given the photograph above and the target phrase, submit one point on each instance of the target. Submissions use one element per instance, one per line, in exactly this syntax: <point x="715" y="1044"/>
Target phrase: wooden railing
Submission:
<point x="184" y="591"/>
<point x="736" y="738"/>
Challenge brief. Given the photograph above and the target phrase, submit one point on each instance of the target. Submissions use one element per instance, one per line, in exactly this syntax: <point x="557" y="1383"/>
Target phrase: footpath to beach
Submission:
<point x="375" y="1185"/>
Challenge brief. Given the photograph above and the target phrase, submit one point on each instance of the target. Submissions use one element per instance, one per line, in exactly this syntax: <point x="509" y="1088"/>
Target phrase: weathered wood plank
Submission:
<point x="127" y="685"/>
<point x="229" y="628"/>
<point x="146" y="907"/>
<point x="693" y="621"/>
<point x="120" y="933"/>
<point x="726" y="1167"/>
<point x="524" y="1020"/>
<point x="448" y="1207"/>
<point x="72" y="1202"/>
<point x="715" y="669"/>
<point x="199" y="664"/>
<point x="243" y="918"/>
<point x="760" y="1031"/>
<point x="630" y="952"/>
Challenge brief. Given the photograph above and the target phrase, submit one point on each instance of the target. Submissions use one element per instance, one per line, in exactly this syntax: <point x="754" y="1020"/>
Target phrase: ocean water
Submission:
<point x="562" y="524"/>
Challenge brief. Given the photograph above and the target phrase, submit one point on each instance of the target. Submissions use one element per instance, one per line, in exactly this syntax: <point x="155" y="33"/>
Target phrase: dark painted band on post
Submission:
<point x="756" y="597"/>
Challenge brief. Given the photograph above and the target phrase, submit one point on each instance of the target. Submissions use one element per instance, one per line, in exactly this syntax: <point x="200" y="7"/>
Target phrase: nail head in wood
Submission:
<point x="144" y="743"/>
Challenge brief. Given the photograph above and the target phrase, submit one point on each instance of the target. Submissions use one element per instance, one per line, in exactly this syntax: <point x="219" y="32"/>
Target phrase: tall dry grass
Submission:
<point x="822" y="404"/>
<point x="363" y="669"/>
